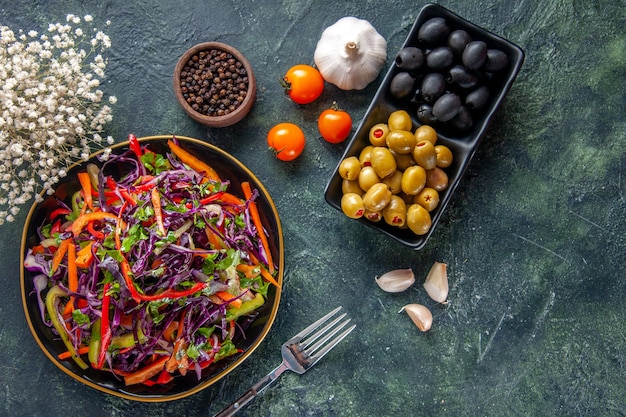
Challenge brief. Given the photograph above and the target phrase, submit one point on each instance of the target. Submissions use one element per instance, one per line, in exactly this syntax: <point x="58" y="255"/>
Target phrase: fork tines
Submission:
<point x="321" y="342"/>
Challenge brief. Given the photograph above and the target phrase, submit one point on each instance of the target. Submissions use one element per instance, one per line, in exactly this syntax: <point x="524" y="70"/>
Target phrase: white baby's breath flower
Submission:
<point x="51" y="108"/>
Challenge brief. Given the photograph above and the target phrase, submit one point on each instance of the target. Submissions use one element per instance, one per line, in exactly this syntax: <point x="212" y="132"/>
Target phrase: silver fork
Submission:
<point x="300" y="353"/>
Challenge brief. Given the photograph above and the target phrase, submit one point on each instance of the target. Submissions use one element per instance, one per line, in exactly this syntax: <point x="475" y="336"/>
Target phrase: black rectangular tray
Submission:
<point x="463" y="145"/>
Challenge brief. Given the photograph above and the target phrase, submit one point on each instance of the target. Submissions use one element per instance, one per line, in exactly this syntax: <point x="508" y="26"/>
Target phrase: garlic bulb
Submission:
<point x="436" y="284"/>
<point x="350" y="53"/>
<point x="420" y="315"/>
<point x="397" y="280"/>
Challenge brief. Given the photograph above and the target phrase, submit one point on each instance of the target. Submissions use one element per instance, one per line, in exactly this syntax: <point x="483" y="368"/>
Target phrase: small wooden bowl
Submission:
<point x="213" y="120"/>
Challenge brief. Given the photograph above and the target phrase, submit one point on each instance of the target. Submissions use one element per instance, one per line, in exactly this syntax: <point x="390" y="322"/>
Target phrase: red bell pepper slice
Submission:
<point x="105" y="326"/>
<point x="173" y="294"/>
<point x="134" y="145"/>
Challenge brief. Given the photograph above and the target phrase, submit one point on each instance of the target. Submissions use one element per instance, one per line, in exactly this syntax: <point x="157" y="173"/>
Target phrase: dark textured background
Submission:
<point x="534" y="238"/>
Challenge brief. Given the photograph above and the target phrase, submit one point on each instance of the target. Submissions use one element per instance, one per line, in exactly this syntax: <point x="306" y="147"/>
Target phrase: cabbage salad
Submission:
<point x="146" y="275"/>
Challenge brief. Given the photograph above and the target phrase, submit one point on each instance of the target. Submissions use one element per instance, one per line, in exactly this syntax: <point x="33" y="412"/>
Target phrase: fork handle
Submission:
<point x="252" y="392"/>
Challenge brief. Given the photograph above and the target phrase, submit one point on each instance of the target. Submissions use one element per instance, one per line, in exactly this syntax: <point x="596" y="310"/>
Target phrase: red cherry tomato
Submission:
<point x="334" y="124"/>
<point x="286" y="140"/>
<point x="303" y="83"/>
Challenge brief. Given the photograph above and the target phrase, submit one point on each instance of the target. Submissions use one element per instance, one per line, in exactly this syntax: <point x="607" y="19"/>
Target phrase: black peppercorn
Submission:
<point x="214" y="82"/>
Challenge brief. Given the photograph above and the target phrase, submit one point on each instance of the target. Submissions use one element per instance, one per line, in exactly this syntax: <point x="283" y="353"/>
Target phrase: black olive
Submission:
<point x="458" y="40"/>
<point x="496" y="60"/>
<point x="475" y="54"/>
<point x="433" y="86"/>
<point x="425" y="114"/>
<point x="402" y="85"/>
<point x="410" y="58"/>
<point x="434" y="31"/>
<point x="446" y="107"/>
<point x="463" y="120"/>
<point x="477" y="98"/>
<point x="459" y="75"/>
<point x="439" y="58"/>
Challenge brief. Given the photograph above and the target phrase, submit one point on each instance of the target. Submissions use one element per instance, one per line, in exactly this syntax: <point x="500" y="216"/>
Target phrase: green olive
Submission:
<point x="367" y="178"/>
<point x="383" y="161"/>
<point x="427" y="198"/>
<point x="378" y="134"/>
<point x="349" y="168"/>
<point x="400" y="120"/>
<point x="401" y="141"/>
<point x="352" y="205"/>
<point x="403" y="161"/>
<point x="373" y="216"/>
<point x="425" y="155"/>
<point x="425" y="132"/>
<point x="395" y="212"/>
<point x="394" y="182"/>
<point x="351" y="186"/>
<point x="444" y="156"/>
<point x="437" y="178"/>
<point x="365" y="155"/>
<point x="413" y="180"/>
<point x="376" y="197"/>
<point x="418" y="219"/>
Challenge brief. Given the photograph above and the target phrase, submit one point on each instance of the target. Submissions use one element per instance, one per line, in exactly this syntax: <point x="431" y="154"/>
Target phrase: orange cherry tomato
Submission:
<point x="286" y="140"/>
<point x="303" y="83"/>
<point x="334" y="124"/>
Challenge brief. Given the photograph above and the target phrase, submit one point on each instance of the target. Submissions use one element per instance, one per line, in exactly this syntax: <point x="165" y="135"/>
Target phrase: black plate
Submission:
<point x="228" y="168"/>
<point x="463" y="145"/>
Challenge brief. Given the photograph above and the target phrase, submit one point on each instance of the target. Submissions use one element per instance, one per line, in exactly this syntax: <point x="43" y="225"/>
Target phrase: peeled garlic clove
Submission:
<point x="396" y="281"/>
<point x="436" y="284"/>
<point x="350" y="53"/>
<point x="420" y="315"/>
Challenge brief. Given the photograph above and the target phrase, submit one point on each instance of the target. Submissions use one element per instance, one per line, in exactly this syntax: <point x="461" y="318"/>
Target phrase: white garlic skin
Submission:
<point x="436" y="284"/>
<point x="420" y="315"/>
<point x="397" y="280"/>
<point x="350" y="53"/>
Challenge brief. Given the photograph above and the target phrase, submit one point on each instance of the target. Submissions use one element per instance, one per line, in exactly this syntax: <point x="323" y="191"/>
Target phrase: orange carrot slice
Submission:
<point x="256" y="219"/>
<point x="192" y="161"/>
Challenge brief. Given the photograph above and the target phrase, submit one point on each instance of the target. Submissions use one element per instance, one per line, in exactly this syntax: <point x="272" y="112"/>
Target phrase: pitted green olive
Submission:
<point x="395" y="212"/>
<point x="382" y="161"/>
<point x="400" y="120"/>
<point x="427" y="198"/>
<point x="401" y="141"/>
<point x="377" y="197"/>
<point x="349" y="168"/>
<point x="378" y="134"/>
<point x="413" y="180"/>
<point x="444" y="156"/>
<point x="373" y="216"/>
<point x="418" y="219"/>
<point x="365" y="155"/>
<point x="352" y="205"/>
<point x="425" y="132"/>
<point x="367" y="178"/>
<point x="351" y="186"/>
<point x="437" y="178"/>
<point x="425" y="155"/>
<point x="394" y="182"/>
